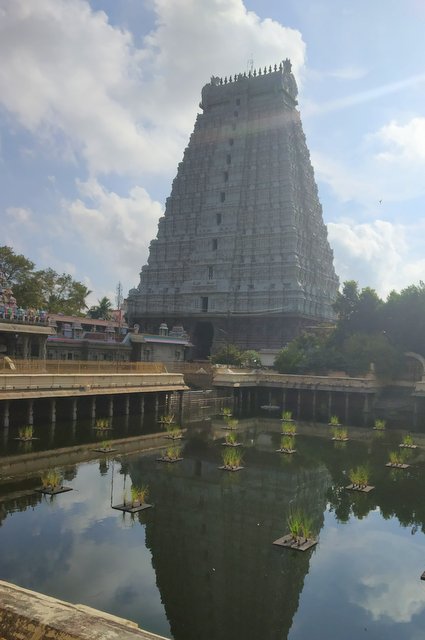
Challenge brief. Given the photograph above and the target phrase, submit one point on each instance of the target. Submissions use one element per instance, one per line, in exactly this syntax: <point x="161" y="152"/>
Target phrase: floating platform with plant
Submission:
<point x="300" y="536"/>
<point x="105" y="447"/>
<point x="359" y="480"/>
<point x="26" y="434"/>
<point x="232" y="460"/>
<point x="171" y="454"/>
<point x="287" y="445"/>
<point x="340" y="434"/>
<point x="379" y="425"/>
<point x="231" y="440"/>
<point x="408" y="442"/>
<point x="137" y="502"/>
<point x="286" y="416"/>
<point x="334" y="421"/>
<point x="51" y="483"/>
<point x="231" y="423"/>
<point x="397" y="460"/>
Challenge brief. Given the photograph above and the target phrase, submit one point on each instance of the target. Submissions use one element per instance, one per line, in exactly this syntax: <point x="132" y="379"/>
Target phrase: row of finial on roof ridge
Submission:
<point x="283" y="66"/>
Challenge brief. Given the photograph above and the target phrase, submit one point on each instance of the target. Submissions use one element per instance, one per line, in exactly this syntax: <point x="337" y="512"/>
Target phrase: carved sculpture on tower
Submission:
<point x="241" y="254"/>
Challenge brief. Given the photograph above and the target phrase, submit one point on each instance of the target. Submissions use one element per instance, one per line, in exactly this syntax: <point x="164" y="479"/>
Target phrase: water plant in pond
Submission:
<point x="106" y="445"/>
<point x="173" y="431"/>
<point x="173" y="453"/>
<point x="167" y="419"/>
<point x="287" y="444"/>
<point x="232" y="423"/>
<point x="26" y="433"/>
<point x="289" y="429"/>
<point x="300" y="527"/>
<point x="231" y="438"/>
<point x="287" y="416"/>
<point x="334" y="421"/>
<point x="397" y="458"/>
<point x="226" y="412"/>
<point x="51" y="479"/>
<point x="408" y="440"/>
<point x="340" y="433"/>
<point x="379" y="424"/>
<point x="232" y="458"/>
<point x="139" y="494"/>
<point x="359" y="477"/>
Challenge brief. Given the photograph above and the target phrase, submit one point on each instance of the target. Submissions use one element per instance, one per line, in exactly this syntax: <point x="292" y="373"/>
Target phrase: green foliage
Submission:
<point x="42" y="289"/>
<point x="408" y="440"/>
<point x="103" y="309"/>
<point x="300" y="526"/>
<point x="308" y="354"/>
<point x="229" y="354"/>
<point x="231" y="438"/>
<point x="380" y="424"/>
<point x="173" y="453"/>
<point x="334" y="421"/>
<point x="251" y="359"/>
<point x="340" y="433"/>
<point x="51" y="479"/>
<point x="139" y="494"/>
<point x="226" y="412"/>
<point x="26" y="433"/>
<point x="286" y="415"/>
<point x="359" y="477"/>
<point x="232" y="423"/>
<point x="360" y="350"/>
<point x="287" y="443"/>
<point x="232" y="458"/>
<point x="289" y="428"/>
<point x="173" y="431"/>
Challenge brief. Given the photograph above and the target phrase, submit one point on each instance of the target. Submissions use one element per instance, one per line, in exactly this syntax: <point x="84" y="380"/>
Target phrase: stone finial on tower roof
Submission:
<point x="287" y="65"/>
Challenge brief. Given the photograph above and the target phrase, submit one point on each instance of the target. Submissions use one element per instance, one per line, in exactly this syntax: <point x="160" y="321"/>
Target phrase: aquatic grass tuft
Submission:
<point x="51" y="479"/>
<point x="290" y="429"/>
<point x="287" y="443"/>
<point x="300" y="526"/>
<point x="139" y="494"/>
<point x="226" y="412"/>
<point x="102" y="423"/>
<point x="172" y="453"/>
<point x="334" y="421"/>
<point x="231" y="438"/>
<point x="167" y="419"/>
<point x="232" y="458"/>
<point x="286" y="416"/>
<point x="173" y="431"/>
<point x="26" y="433"/>
<point x="232" y="423"/>
<point x="380" y="424"/>
<point x="340" y="433"/>
<point x="359" y="477"/>
<point x="408" y="440"/>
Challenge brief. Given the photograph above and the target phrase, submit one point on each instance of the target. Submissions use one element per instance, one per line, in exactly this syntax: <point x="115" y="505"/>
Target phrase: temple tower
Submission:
<point x="241" y="254"/>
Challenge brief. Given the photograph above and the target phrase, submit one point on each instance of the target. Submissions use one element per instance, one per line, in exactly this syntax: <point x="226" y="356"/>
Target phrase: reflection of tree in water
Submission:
<point x="18" y="503"/>
<point x="397" y="492"/>
<point x="211" y="541"/>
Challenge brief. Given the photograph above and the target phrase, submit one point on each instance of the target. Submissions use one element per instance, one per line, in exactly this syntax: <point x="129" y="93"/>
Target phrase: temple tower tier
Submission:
<point x="241" y="254"/>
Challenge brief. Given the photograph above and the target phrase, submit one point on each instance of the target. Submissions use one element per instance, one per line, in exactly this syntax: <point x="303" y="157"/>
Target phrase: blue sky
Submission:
<point x="98" y="99"/>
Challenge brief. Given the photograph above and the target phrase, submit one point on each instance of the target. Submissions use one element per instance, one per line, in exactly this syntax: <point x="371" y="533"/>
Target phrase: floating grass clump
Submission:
<point x="51" y="479"/>
<point x="231" y="439"/>
<point x="226" y="412"/>
<point x="359" y="477"/>
<point x="334" y="421"/>
<point x="300" y="527"/>
<point x="287" y="416"/>
<point x="379" y="424"/>
<point x="289" y="429"/>
<point x="231" y="423"/>
<point x="408" y="442"/>
<point x="139" y="495"/>
<point x="398" y="459"/>
<point x="232" y="460"/>
<point x="173" y="453"/>
<point x="173" y="431"/>
<point x="340" y="433"/>
<point x="287" y="444"/>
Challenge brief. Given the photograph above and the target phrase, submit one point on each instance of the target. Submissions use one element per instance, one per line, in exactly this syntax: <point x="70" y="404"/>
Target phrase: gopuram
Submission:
<point x="241" y="254"/>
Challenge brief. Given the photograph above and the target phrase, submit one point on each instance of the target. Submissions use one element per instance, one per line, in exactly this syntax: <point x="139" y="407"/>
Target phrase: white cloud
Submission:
<point x="380" y="253"/>
<point x="116" y="229"/>
<point x="19" y="216"/>
<point x="405" y="143"/>
<point x="70" y="77"/>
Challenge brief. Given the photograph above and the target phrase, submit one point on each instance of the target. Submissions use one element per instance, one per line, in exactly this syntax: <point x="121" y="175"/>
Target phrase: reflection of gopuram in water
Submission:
<point x="211" y="541"/>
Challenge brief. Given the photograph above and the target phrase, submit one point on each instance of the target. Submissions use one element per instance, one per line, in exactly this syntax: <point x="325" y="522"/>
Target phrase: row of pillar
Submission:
<point x="92" y="410"/>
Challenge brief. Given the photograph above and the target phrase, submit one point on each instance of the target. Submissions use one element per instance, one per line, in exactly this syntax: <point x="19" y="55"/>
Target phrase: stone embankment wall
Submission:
<point x="27" y="615"/>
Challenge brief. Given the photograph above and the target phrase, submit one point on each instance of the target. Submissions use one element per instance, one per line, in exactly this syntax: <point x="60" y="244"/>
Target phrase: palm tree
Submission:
<point x="103" y="309"/>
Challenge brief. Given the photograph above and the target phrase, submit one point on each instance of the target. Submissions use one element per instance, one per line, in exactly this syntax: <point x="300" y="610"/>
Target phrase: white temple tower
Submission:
<point x="241" y="254"/>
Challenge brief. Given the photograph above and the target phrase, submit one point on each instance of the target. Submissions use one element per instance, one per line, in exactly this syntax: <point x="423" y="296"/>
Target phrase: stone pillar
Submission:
<point x="298" y="404"/>
<point x="30" y="411"/>
<point x="6" y="413"/>
<point x="180" y="407"/>
<point x="156" y="405"/>
<point x="126" y="405"/>
<point x="366" y="409"/>
<point x="74" y="408"/>
<point x="93" y="408"/>
<point x="53" y="410"/>
<point x="142" y="404"/>
<point x="111" y="406"/>
<point x="329" y="404"/>
<point x="314" y="404"/>
<point x="52" y="429"/>
<point x="283" y="399"/>
<point x="346" y="412"/>
<point x="270" y="398"/>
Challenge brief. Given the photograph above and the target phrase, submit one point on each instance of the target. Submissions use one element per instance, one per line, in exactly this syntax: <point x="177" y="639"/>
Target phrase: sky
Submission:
<point x="98" y="99"/>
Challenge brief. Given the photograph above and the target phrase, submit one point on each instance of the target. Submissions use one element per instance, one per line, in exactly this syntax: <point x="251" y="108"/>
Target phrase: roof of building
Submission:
<point x="88" y="321"/>
<point x="150" y="338"/>
<point x="12" y="327"/>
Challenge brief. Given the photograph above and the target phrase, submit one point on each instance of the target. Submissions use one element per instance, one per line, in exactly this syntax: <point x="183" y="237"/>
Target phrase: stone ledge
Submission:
<point x="29" y="615"/>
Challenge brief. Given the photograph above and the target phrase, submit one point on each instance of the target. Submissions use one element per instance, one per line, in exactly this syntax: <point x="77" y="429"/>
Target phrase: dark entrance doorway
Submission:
<point x="203" y="339"/>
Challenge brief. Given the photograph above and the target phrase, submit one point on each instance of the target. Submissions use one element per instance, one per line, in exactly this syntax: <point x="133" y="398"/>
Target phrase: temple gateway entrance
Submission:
<point x="203" y="339"/>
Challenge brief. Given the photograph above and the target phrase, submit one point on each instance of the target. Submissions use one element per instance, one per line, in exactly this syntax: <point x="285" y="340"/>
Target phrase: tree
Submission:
<point x="230" y="355"/>
<point x="103" y="309"/>
<point x="43" y="289"/>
